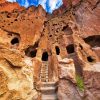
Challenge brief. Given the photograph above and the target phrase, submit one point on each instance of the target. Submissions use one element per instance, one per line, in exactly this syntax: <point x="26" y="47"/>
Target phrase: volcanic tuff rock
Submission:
<point x="6" y="6"/>
<point x="45" y="56"/>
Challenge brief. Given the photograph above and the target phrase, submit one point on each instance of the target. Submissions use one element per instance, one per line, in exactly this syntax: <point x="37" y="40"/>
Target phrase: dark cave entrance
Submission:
<point x="14" y="41"/>
<point x="81" y="46"/>
<point x="31" y="52"/>
<point x="70" y="48"/>
<point x="67" y="30"/>
<point x="93" y="41"/>
<point x="57" y="50"/>
<point x="90" y="59"/>
<point x="45" y="56"/>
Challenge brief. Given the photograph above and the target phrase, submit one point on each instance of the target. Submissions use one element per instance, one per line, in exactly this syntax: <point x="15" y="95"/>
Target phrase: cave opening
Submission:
<point x="45" y="56"/>
<point x="70" y="48"/>
<point x="57" y="50"/>
<point x="14" y="41"/>
<point x="90" y="59"/>
<point x="81" y="46"/>
<point x="31" y="52"/>
<point x="90" y="38"/>
<point x="93" y="41"/>
<point x="67" y="30"/>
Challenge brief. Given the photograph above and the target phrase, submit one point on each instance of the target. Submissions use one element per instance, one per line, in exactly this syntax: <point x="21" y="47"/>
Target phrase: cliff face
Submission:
<point x="49" y="57"/>
<point x="7" y="6"/>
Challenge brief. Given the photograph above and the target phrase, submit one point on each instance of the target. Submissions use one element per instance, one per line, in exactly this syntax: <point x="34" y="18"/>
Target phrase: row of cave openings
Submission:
<point x="70" y="49"/>
<point x="31" y="52"/>
<point x="93" y="41"/>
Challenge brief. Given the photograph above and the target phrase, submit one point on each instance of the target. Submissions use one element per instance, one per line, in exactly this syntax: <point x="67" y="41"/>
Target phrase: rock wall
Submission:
<point x="50" y="56"/>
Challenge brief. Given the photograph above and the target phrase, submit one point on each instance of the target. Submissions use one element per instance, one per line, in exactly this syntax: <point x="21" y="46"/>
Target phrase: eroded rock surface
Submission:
<point x="67" y="89"/>
<point x="15" y="74"/>
<point x="41" y="55"/>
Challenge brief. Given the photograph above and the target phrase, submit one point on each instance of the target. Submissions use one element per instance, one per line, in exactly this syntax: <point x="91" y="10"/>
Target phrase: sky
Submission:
<point x="48" y="5"/>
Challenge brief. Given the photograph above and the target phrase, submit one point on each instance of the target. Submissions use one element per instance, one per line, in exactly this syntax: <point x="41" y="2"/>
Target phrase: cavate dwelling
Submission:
<point x="47" y="53"/>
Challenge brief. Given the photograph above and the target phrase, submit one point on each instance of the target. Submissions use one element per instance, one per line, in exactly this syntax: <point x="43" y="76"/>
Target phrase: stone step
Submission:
<point x="49" y="97"/>
<point x="48" y="90"/>
<point x="48" y="84"/>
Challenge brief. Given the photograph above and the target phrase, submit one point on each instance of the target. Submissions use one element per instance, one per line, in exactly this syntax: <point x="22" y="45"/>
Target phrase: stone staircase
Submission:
<point x="48" y="89"/>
